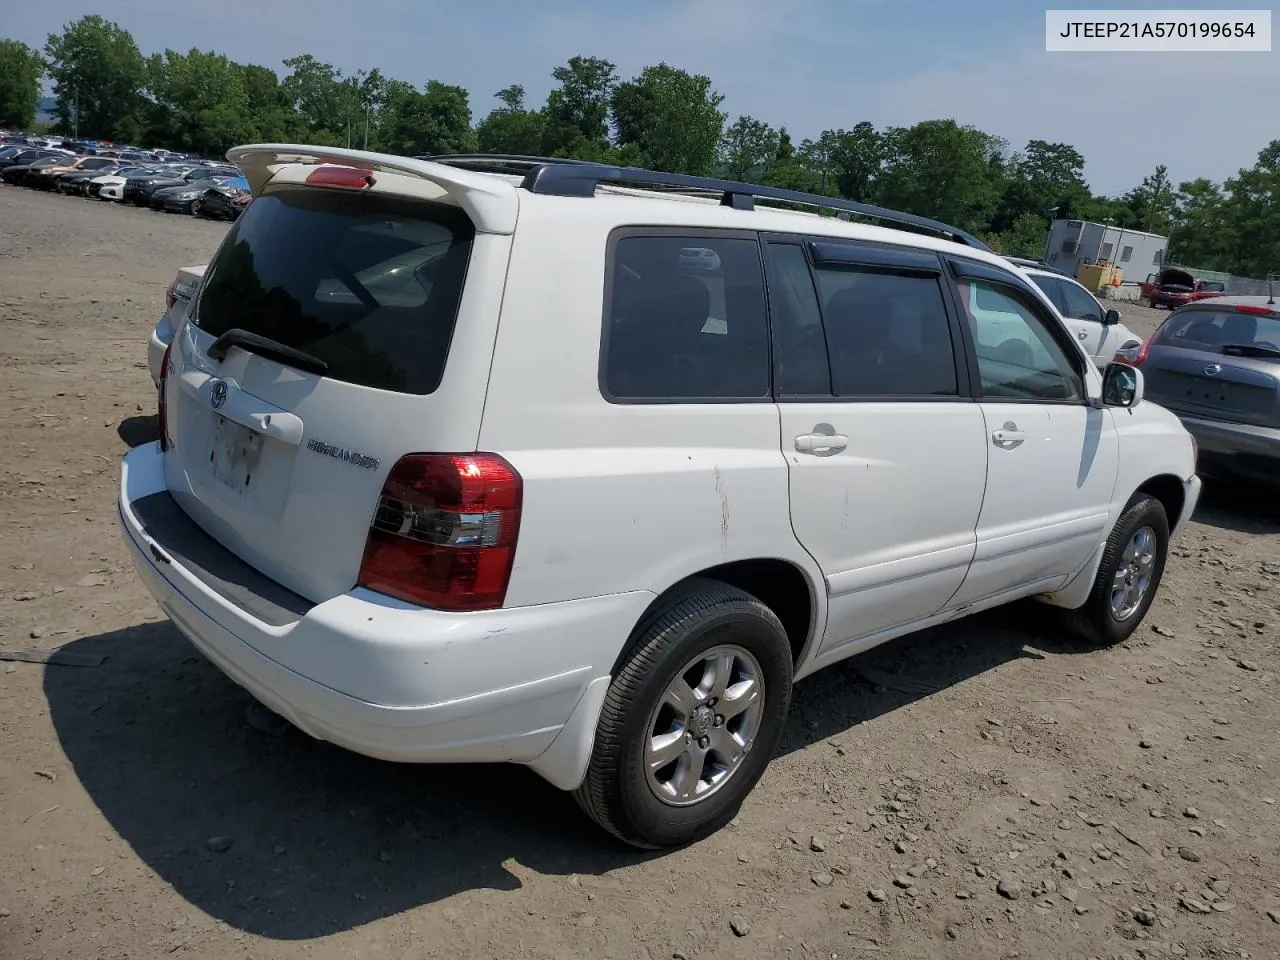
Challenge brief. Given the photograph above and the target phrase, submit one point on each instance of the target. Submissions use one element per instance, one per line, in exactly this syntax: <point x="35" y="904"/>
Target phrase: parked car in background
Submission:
<point x="226" y="200"/>
<point x="187" y="197"/>
<point x="1216" y="364"/>
<point x="406" y="518"/>
<point x="148" y="187"/>
<point x="1099" y="329"/>
<point x="1172" y="288"/>
<point x="46" y="179"/>
<point x="24" y="156"/>
<point x="21" y="174"/>
<point x="71" y="181"/>
<point x="111" y="185"/>
<point x="138" y="188"/>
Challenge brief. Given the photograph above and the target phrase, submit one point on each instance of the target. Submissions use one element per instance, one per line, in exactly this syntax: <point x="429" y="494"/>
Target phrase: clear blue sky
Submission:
<point x="808" y="64"/>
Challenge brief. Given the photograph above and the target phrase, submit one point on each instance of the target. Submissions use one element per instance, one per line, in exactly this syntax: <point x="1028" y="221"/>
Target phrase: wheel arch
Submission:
<point x="781" y="585"/>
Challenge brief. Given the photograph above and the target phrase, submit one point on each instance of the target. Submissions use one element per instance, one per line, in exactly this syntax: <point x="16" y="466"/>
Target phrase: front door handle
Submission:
<point x="1008" y="437"/>
<point x="821" y="442"/>
<point x="1082" y="335"/>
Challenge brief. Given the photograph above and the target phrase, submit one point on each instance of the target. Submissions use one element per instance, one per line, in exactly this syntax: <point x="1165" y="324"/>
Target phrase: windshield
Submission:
<point x="1214" y="330"/>
<point x="369" y="284"/>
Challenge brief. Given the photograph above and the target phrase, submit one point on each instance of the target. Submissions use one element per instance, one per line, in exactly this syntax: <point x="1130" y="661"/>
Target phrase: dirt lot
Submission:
<point x="1124" y="800"/>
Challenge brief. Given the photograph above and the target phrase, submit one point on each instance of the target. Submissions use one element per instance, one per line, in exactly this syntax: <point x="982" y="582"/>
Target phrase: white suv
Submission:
<point x="462" y="459"/>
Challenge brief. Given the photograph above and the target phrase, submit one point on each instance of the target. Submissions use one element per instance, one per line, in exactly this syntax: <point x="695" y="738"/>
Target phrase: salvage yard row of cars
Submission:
<point x="196" y="187"/>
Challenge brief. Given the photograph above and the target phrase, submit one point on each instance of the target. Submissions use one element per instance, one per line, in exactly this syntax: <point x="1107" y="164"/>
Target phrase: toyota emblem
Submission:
<point x="218" y="394"/>
<point x="1213" y="369"/>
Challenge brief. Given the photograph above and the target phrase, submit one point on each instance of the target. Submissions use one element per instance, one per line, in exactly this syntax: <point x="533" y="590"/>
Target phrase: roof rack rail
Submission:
<point x="510" y="163"/>
<point x="580" y="178"/>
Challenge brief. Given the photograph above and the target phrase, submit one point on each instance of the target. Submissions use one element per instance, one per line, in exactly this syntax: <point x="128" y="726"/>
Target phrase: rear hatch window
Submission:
<point x="368" y="284"/>
<point x="1223" y="331"/>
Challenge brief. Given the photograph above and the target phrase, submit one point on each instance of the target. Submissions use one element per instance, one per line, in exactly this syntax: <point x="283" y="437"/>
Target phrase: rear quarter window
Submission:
<point x="685" y="319"/>
<point x="367" y="283"/>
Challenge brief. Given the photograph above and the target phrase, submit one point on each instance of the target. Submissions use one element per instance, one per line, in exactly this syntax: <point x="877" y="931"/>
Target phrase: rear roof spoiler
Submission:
<point x="489" y="201"/>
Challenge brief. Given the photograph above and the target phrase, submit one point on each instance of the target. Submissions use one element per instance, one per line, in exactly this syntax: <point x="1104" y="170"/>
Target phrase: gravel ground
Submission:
<point x="988" y="790"/>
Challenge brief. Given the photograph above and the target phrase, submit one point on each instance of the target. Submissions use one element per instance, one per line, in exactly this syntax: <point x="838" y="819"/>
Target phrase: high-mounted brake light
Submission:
<point x="444" y="535"/>
<point x="1253" y="308"/>
<point x="349" y="178"/>
<point x="162" y="407"/>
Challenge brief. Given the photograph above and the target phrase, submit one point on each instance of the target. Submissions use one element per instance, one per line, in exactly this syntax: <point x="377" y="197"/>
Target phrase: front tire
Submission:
<point x="692" y="718"/>
<point x="1129" y="575"/>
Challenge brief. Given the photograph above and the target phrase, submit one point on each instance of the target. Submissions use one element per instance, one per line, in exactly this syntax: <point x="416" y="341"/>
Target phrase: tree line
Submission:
<point x="664" y="118"/>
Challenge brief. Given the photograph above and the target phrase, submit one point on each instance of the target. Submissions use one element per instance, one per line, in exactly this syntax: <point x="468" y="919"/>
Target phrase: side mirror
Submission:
<point x="1122" y="386"/>
<point x="1111" y="318"/>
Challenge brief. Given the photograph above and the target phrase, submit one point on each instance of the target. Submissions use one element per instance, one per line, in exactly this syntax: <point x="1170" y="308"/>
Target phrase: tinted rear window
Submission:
<point x="1212" y="330"/>
<point x="368" y="284"/>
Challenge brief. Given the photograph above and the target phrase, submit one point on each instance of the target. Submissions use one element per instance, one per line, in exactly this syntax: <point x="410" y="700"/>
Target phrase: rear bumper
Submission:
<point x="383" y="678"/>
<point x="1237" y="450"/>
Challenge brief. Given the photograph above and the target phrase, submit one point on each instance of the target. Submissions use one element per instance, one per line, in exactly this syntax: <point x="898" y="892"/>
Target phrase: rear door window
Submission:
<point x="1079" y="305"/>
<point x="887" y="333"/>
<point x="367" y="283"/>
<point x="685" y="319"/>
<point x="1051" y="289"/>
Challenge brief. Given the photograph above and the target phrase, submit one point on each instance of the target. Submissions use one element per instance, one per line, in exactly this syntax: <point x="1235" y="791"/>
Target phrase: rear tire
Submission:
<point x="1129" y="575"/>
<point x="663" y="775"/>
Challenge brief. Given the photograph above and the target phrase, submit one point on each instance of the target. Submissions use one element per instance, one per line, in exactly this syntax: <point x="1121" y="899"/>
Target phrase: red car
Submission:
<point x="1173" y="288"/>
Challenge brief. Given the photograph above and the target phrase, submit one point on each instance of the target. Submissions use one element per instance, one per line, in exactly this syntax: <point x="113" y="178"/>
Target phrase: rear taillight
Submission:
<point x="1139" y="358"/>
<point x="161" y="405"/>
<point x="169" y="298"/>
<point x="444" y="535"/>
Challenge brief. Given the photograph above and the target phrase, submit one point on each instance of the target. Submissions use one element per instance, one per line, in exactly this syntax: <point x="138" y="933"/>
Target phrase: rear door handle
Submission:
<point x="1008" y="437"/>
<point x="1082" y="335"/>
<point x="821" y="442"/>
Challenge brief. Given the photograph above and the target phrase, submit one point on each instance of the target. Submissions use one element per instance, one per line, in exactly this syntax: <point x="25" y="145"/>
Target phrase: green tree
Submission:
<point x="1042" y="177"/>
<point x="436" y="120"/>
<point x="98" y="74"/>
<point x="1202" y="235"/>
<point x="511" y="128"/>
<point x="670" y="118"/>
<point x="817" y="157"/>
<point x="1254" y="215"/>
<point x="787" y="170"/>
<point x="857" y="158"/>
<point x="942" y="170"/>
<point x="576" y="114"/>
<point x="201" y="104"/>
<point x="314" y="90"/>
<point x="270" y="114"/>
<point x="21" y="69"/>
<point x="1026" y="237"/>
<point x="746" y="147"/>
<point x="1152" y="205"/>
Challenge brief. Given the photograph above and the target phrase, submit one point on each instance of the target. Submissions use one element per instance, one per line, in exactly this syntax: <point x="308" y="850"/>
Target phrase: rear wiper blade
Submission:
<point x="1249" y="350"/>
<point x="264" y="347"/>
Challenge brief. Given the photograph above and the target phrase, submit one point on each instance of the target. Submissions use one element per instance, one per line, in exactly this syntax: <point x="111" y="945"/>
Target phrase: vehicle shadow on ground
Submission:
<point x="1243" y="508"/>
<point x="135" y="431"/>
<point x="323" y="840"/>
